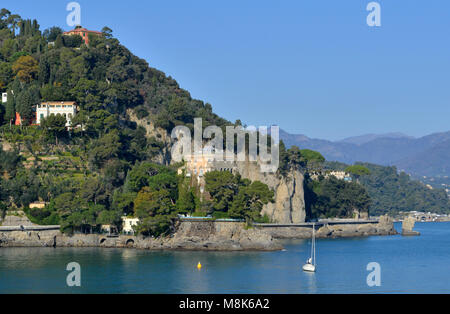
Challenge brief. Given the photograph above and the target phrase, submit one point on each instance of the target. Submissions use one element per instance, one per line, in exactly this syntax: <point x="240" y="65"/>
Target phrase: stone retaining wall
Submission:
<point x="218" y="236"/>
<point x="196" y="235"/>
<point x="384" y="227"/>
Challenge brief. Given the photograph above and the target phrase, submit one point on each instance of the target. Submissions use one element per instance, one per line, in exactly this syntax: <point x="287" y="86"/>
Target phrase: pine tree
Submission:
<point x="10" y="110"/>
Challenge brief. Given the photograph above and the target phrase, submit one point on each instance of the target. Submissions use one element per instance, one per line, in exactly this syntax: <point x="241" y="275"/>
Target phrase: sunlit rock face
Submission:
<point x="289" y="205"/>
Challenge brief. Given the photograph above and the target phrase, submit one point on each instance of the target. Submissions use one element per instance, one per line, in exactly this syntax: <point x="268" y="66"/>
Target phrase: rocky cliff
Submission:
<point x="408" y="226"/>
<point x="17" y="218"/>
<point x="289" y="205"/>
<point x="159" y="134"/>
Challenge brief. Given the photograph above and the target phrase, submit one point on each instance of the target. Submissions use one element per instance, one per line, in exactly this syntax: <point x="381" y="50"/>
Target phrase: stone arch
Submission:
<point x="130" y="242"/>
<point x="102" y="241"/>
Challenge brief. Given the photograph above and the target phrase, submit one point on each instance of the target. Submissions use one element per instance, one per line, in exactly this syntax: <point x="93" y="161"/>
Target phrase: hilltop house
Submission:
<point x="83" y="32"/>
<point x="68" y="109"/>
<point x="4" y="97"/>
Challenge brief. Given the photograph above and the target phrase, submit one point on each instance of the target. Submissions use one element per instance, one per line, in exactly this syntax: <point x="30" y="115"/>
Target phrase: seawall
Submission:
<point x="382" y="227"/>
<point x="206" y="236"/>
<point x="196" y="235"/>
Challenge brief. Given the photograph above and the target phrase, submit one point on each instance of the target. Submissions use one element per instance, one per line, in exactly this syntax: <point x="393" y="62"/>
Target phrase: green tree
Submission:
<point x="222" y="187"/>
<point x="357" y="171"/>
<point x="13" y="21"/>
<point x="10" y="108"/>
<point x="26" y="69"/>
<point x="6" y="75"/>
<point x="334" y="198"/>
<point x="25" y="101"/>
<point x="105" y="148"/>
<point x="250" y="200"/>
<point x="156" y="211"/>
<point x="52" y="33"/>
<point x="186" y="199"/>
<point x="55" y="125"/>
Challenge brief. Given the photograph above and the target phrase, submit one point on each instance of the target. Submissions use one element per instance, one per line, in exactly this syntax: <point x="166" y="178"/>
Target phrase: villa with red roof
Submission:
<point x="83" y="32"/>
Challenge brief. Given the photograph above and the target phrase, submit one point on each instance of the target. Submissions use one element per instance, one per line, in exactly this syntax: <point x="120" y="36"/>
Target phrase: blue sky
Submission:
<point x="311" y="66"/>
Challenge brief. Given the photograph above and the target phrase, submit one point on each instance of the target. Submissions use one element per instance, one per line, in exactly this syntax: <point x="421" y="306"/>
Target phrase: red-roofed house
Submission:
<point x="83" y="32"/>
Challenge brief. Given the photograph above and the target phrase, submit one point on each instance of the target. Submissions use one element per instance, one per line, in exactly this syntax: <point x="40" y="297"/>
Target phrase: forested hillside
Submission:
<point x="425" y="156"/>
<point x="392" y="192"/>
<point x="104" y="166"/>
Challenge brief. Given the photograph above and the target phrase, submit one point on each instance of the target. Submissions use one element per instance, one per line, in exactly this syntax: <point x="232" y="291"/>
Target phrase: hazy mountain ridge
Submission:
<point x="425" y="156"/>
<point x="362" y="139"/>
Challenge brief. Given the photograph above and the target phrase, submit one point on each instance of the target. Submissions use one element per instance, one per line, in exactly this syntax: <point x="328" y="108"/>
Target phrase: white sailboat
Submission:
<point x="310" y="265"/>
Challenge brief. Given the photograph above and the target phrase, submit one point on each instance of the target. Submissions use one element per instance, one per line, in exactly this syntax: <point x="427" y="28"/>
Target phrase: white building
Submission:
<point x="128" y="223"/>
<point x="68" y="109"/>
<point x="4" y="97"/>
<point x="340" y="175"/>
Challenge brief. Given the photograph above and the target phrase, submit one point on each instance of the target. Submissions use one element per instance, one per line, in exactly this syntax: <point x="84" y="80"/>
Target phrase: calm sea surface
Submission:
<point x="408" y="265"/>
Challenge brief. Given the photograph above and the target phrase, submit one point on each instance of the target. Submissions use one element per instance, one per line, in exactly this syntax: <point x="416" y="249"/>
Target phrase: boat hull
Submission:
<point x="309" y="268"/>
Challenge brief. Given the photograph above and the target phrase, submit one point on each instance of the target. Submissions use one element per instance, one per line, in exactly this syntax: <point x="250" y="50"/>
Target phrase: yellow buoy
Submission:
<point x="199" y="265"/>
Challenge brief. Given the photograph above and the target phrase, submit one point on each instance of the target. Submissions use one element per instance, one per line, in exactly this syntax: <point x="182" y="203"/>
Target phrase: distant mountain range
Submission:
<point x="425" y="156"/>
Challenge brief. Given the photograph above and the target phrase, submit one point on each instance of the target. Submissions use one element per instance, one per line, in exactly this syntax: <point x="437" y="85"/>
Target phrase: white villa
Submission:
<point x="68" y="109"/>
<point x="128" y="223"/>
<point x="340" y="175"/>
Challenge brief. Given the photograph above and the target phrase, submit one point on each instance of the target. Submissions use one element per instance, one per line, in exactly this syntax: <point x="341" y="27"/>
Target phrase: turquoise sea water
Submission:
<point x="408" y="265"/>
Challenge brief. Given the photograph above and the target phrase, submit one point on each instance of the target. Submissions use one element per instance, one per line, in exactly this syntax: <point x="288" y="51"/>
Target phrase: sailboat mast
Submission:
<point x="314" y="244"/>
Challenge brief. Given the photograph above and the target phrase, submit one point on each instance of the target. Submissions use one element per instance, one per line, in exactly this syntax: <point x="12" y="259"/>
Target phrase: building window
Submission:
<point x="42" y="116"/>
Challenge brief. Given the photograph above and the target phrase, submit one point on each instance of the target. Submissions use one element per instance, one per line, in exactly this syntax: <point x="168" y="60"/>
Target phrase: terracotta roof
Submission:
<point x="81" y="30"/>
<point x="58" y="103"/>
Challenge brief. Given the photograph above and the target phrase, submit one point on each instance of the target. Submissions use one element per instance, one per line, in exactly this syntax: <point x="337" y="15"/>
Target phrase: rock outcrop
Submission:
<point x="29" y="238"/>
<point x="17" y="218"/>
<point x="221" y="236"/>
<point x="289" y="205"/>
<point x="408" y="226"/>
<point x="385" y="226"/>
<point x="159" y="134"/>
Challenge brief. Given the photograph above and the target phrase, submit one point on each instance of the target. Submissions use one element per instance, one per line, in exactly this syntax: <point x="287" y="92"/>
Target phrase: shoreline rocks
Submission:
<point x="408" y="226"/>
<point x="205" y="236"/>
<point x="384" y="227"/>
<point x="198" y="236"/>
